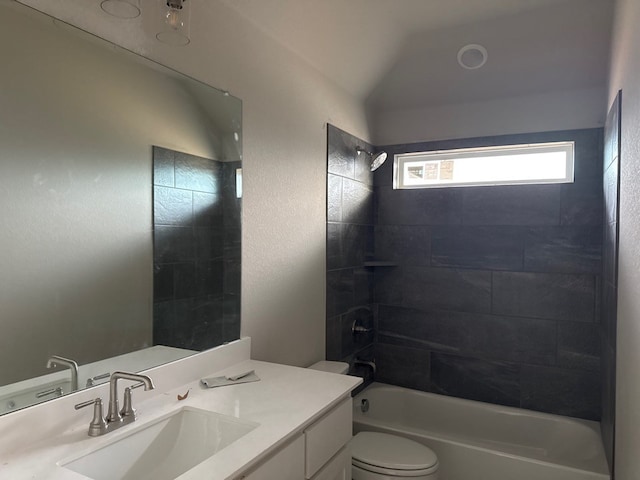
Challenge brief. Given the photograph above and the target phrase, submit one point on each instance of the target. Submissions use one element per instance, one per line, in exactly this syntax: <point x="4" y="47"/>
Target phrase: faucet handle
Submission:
<point x="92" y="381"/>
<point x="52" y="391"/>
<point x="78" y="406"/>
<point x="355" y="329"/>
<point x="98" y="425"/>
<point x="127" y="406"/>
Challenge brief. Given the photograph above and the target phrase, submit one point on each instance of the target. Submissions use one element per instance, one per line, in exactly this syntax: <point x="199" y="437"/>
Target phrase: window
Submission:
<point x="501" y="165"/>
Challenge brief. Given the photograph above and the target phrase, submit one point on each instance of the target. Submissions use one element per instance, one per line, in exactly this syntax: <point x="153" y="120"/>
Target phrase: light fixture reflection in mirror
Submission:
<point x="121" y="8"/>
<point x="175" y="26"/>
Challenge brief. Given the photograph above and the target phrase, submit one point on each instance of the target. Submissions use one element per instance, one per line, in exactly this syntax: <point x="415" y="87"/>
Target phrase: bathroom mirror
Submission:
<point x="81" y="121"/>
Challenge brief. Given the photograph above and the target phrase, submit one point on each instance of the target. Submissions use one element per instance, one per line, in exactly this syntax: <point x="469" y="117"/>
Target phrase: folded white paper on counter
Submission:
<point x="245" y="377"/>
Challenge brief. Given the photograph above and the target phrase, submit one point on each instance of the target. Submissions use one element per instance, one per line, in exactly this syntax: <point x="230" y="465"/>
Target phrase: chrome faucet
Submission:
<point x="114" y="415"/>
<point x="55" y="360"/>
<point x="115" y="419"/>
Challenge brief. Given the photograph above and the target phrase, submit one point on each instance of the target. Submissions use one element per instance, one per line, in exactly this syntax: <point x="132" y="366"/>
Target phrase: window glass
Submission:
<point x="502" y="165"/>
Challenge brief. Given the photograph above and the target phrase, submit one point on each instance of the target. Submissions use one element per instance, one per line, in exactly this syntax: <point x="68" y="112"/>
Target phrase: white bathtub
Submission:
<point x="481" y="441"/>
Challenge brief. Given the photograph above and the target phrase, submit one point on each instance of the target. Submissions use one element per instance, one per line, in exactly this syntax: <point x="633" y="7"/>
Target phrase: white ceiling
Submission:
<point x="402" y="53"/>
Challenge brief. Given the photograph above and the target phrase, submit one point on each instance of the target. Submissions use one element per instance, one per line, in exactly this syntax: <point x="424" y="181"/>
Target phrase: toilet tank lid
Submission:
<point x="331" y="367"/>
<point x="391" y="452"/>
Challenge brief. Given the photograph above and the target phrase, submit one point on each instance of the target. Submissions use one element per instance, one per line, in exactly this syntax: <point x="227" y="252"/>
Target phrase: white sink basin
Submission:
<point x="164" y="449"/>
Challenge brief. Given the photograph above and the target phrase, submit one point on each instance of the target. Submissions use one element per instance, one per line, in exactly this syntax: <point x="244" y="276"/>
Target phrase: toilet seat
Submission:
<point x="394" y="473"/>
<point x="392" y="455"/>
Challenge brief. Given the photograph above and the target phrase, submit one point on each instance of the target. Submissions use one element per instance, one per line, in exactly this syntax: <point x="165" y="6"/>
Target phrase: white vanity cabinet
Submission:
<point x="325" y="438"/>
<point x="338" y="468"/>
<point x="286" y="464"/>
<point x="321" y="452"/>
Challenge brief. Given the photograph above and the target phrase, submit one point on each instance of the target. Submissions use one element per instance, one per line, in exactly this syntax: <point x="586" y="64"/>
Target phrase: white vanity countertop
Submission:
<point x="283" y="403"/>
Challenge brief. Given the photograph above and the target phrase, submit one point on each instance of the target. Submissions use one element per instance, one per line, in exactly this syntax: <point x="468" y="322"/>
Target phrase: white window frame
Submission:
<point x="436" y="157"/>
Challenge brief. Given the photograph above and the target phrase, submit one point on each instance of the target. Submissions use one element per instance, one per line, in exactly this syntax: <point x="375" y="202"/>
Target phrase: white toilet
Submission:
<point x="380" y="456"/>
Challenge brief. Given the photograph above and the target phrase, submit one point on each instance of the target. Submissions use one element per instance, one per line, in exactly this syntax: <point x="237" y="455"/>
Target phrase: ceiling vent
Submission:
<point x="472" y="56"/>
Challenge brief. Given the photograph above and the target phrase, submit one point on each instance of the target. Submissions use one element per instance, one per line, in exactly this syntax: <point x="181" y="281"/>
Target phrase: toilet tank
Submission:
<point x="331" y="367"/>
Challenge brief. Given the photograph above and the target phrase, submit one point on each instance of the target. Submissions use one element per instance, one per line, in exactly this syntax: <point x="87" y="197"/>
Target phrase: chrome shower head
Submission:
<point x="377" y="159"/>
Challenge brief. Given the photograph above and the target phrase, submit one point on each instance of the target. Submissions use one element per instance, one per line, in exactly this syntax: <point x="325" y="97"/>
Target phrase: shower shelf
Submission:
<point x="379" y="263"/>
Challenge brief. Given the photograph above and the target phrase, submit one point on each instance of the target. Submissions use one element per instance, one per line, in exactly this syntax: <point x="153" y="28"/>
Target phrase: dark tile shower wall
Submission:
<point x="495" y="296"/>
<point x="350" y="217"/>
<point x="611" y="185"/>
<point x="231" y="256"/>
<point x="196" y="251"/>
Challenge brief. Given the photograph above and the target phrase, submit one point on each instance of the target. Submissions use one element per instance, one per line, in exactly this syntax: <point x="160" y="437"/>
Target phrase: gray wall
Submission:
<point x="495" y="296"/>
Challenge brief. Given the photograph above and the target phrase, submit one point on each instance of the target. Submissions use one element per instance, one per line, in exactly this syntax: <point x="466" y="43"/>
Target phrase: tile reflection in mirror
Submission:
<point x="196" y="250"/>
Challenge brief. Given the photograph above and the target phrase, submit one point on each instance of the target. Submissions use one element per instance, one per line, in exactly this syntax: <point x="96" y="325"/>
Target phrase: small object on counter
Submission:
<point x="183" y="397"/>
<point x="239" y="375"/>
<point x="245" y="377"/>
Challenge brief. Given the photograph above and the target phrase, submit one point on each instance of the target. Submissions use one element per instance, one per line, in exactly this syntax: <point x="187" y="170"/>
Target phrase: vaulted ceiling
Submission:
<point x="402" y="54"/>
<point x="399" y="54"/>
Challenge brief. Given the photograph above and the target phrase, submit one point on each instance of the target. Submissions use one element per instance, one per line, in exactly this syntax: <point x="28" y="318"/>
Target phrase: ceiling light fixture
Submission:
<point x="472" y="56"/>
<point x="121" y="8"/>
<point x="175" y="27"/>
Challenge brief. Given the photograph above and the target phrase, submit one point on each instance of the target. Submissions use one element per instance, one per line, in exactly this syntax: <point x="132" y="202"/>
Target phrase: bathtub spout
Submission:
<point x="371" y="364"/>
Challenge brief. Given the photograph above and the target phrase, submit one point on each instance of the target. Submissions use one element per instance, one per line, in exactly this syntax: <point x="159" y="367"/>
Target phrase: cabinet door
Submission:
<point x="338" y="468"/>
<point x="285" y="464"/>
<point x="327" y="436"/>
